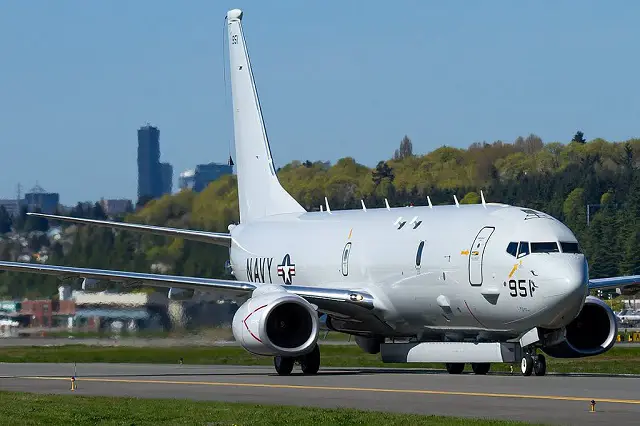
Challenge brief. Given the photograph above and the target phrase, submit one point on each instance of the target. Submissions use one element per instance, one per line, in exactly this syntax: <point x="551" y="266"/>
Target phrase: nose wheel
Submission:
<point x="533" y="364"/>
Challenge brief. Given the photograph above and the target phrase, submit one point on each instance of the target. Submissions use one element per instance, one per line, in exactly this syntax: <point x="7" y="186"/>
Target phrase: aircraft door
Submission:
<point x="476" y="255"/>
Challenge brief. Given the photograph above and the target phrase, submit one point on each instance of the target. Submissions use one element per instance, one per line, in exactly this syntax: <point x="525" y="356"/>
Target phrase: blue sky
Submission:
<point x="77" y="79"/>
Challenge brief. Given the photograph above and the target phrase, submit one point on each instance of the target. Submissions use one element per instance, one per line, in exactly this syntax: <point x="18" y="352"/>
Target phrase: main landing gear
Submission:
<point x="309" y="363"/>
<point x="480" y="368"/>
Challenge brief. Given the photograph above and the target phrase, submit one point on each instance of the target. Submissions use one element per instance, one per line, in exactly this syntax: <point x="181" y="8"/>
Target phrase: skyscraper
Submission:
<point x="167" y="178"/>
<point x="149" y="169"/>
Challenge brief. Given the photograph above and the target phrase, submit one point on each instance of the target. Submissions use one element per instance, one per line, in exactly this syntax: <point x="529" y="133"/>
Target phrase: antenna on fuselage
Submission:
<point x="363" y="206"/>
<point x="456" y="200"/>
<point x="484" y="203"/>
<point x="429" y="201"/>
<point x="326" y="201"/>
<point x="386" y="203"/>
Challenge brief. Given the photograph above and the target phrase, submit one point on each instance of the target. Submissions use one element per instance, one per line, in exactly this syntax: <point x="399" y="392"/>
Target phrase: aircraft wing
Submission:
<point x="188" y="234"/>
<point x="614" y="282"/>
<point x="348" y="303"/>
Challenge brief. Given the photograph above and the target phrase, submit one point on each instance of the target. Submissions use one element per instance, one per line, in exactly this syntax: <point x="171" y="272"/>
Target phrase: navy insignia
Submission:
<point x="287" y="270"/>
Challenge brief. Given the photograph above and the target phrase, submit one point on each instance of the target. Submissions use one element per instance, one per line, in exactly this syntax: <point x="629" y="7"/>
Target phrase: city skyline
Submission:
<point x="448" y="73"/>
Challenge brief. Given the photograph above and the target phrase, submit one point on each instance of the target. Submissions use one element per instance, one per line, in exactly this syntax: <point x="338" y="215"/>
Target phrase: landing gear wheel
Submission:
<point x="310" y="363"/>
<point x="540" y="366"/>
<point x="454" y="367"/>
<point x="284" y="365"/>
<point x="481" y="367"/>
<point x="526" y="365"/>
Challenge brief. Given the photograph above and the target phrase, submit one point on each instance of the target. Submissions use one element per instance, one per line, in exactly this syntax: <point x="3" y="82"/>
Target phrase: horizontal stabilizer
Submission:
<point x="202" y="236"/>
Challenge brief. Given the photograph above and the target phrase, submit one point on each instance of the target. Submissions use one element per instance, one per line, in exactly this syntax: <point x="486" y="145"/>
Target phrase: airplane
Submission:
<point x="453" y="284"/>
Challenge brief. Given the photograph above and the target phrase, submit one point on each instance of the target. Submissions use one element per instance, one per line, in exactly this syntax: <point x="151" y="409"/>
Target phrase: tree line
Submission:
<point x="592" y="186"/>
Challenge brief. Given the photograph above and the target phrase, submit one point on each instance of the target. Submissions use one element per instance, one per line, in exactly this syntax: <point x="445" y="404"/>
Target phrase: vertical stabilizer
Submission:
<point x="259" y="191"/>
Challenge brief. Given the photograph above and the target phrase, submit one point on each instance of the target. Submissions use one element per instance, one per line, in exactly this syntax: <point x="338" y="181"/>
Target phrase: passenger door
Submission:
<point x="476" y="255"/>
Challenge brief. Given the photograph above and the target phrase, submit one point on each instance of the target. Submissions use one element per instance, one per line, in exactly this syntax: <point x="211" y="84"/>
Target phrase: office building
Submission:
<point x="203" y="175"/>
<point x="12" y="206"/>
<point x="116" y="206"/>
<point x="149" y="169"/>
<point x="167" y="178"/>
<point x="40" y="200"/>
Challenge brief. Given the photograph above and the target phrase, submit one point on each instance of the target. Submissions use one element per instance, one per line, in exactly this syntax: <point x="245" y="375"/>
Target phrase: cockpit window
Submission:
<point x="512" y="248"/>
<point x="546" y="247"/>
<point x="523" y="249"/>
<point x="570" y="247"/>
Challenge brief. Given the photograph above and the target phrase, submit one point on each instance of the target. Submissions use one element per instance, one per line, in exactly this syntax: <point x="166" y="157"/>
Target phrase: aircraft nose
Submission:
<point x="577" y="277"/>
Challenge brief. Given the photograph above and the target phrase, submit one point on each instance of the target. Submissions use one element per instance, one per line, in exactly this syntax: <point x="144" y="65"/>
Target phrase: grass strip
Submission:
<point x="619" y="360"/>
<point x="18" y="408"/>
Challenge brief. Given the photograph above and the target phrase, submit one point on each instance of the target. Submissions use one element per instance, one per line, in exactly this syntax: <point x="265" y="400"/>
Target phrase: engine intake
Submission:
<point x="276" y="322"/>
<point x="592" y="332"/>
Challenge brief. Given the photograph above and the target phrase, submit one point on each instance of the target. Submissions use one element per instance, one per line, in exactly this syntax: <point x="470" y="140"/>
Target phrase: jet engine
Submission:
<point x="276" y="322"/>
<point x="592" y="332"/>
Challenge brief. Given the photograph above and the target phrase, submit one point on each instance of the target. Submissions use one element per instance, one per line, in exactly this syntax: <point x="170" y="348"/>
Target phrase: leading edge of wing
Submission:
<point x="614" y="282"/>
<point x="132" y="278"/>
<point x="187" y="234"/>
<point x="317" y="295"/>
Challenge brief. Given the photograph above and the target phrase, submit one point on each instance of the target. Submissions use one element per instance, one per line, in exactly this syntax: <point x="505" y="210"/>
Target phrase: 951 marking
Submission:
<point x="521" y="288"/>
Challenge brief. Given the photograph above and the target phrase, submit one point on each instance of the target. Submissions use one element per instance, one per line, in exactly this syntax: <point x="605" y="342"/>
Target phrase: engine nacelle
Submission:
<point x="592" y="332"/>
<point x="276" y="322"/>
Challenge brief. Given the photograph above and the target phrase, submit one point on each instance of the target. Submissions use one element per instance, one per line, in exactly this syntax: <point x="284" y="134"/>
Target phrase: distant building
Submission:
<point x="203" y="175"/>
<point x="117" y="206"/>
<point x="39" y="199"/>
<point x="149" y="169"/>
<point x="12" y="206"/>
<point x="48" y="313"/>
<point x="167" y="178"/>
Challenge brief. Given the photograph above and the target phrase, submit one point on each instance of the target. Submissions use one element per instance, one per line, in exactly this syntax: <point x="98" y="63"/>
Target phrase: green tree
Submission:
<point x="578" y="137"/>
<point x="381" y="173"/>
<point x="405" y="150"/>
<point x="471" y="198"/>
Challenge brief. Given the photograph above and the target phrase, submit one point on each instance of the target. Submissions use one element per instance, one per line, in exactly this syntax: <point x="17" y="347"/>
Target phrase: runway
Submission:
<point x="550" y="399"/>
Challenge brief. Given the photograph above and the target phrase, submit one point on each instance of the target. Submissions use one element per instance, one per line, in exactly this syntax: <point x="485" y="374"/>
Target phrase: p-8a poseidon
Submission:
<point x="455" y="284"/>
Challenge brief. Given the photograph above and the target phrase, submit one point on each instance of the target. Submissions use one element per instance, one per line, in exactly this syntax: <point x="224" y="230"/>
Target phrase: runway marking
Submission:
<point x="348" y="389"/>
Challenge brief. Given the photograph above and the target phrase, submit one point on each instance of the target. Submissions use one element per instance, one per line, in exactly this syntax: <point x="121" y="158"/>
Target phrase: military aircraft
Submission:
<point x="456" y="284"/>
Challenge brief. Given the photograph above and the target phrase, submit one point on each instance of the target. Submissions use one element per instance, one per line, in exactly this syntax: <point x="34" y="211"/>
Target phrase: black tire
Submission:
<point x="284" y="365"/>
<point x="540" y="366"/>
<point x="481" y="367"/>
<point x="526" y="365"/>
<point x="310" y="363"/>
<point x="454" y="367"/>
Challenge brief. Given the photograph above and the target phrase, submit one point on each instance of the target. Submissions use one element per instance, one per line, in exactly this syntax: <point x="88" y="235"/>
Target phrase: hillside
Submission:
<point x="558" y="178"/>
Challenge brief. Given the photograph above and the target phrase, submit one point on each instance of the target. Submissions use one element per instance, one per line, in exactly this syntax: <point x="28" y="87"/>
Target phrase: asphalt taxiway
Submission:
<point x="552" y="399"/>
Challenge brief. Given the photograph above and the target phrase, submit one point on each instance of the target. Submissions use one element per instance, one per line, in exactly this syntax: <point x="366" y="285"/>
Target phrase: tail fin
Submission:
<point x="259" y="191"/>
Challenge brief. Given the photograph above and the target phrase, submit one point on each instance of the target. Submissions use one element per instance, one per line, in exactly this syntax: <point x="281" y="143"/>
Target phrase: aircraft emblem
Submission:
<point x="287" y="270"/>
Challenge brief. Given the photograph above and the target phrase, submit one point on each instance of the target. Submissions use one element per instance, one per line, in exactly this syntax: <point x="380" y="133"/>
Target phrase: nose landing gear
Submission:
<point x="533" y="363"/>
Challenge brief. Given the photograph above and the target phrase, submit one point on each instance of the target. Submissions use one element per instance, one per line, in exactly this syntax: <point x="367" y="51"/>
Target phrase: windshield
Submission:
<point x="546" y="247"/>
<point x="570" y="247"/>
<point x="523" y="248"/>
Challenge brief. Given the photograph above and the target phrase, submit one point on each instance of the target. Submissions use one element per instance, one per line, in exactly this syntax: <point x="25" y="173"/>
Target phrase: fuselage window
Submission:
<point x="546" y="247"/>
<point x="512" y="249"/>
<point x="523" y="249"/>
<point x="419" y="254"/>
<point x="570" y="248"/>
